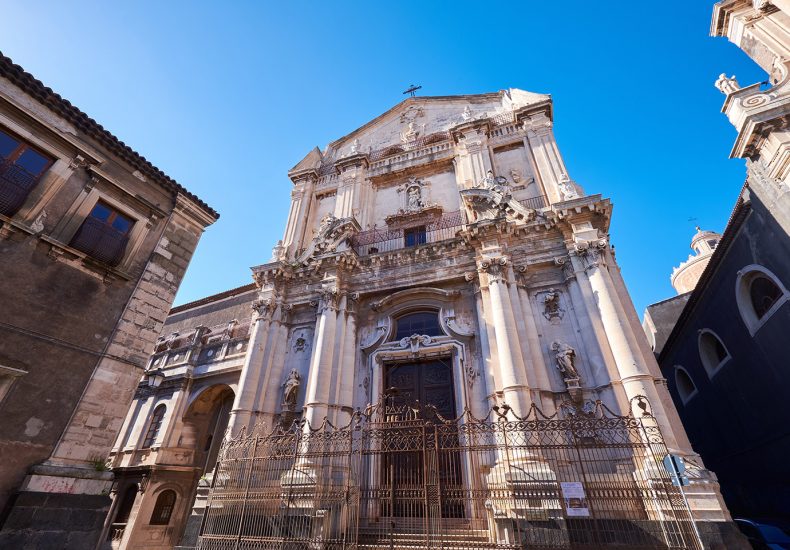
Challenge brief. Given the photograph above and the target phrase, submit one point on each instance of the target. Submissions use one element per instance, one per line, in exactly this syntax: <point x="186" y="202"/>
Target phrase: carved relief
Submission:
<point x="300" y="344"/>
<point x="415" y="341"/>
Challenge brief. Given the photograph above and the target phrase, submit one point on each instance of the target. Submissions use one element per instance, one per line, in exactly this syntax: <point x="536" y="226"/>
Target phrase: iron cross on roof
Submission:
<point x="412" y="89"/>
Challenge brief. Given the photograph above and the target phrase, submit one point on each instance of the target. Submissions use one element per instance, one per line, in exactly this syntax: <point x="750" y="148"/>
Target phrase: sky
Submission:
<point x="227" y="97"/>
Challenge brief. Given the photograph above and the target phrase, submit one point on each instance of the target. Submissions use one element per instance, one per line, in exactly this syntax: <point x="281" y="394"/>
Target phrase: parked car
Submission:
<point x="765" y="534"/>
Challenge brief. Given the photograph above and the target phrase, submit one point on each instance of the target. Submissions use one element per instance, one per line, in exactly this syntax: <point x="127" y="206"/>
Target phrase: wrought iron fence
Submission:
<point x="387" y="240"/>
<point x="404" y="477"/>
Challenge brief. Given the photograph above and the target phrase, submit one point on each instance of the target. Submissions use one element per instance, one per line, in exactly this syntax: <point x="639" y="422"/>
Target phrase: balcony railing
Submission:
<point x="101" y="241"/>
<point x="15" y="185"/>
<point x="387" y="240"/>
<point x="534" y="203"/>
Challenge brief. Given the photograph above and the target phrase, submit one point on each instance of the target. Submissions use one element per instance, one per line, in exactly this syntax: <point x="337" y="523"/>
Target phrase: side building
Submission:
<point x="441" y="352"/>
<point x="726" y="358"/>
<point x="94" y="242"/>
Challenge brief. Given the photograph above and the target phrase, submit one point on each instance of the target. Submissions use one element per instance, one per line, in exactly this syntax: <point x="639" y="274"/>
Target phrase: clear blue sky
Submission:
<point x="226" y="97"/>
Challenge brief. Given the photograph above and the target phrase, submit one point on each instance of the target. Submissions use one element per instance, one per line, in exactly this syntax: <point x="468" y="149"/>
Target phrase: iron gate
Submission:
<point x="404" y="477"/>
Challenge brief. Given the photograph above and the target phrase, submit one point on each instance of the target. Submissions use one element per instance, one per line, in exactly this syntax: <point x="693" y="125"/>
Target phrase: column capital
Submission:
<point x="495" y="267"/>
<point x="591" y="253"/>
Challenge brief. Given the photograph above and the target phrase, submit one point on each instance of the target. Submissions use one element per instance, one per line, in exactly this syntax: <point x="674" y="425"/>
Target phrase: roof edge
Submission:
<point x="62" y="107"/>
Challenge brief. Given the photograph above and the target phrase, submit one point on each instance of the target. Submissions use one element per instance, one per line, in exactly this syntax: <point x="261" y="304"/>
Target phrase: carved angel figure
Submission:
<point x="566" y="357"/>
<point x="291" y="386"/>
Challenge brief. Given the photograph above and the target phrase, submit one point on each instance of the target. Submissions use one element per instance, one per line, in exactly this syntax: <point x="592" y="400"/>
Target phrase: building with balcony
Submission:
<point x="726" y="358"/>
<point x="440" y="353"/>
<point x="94" y="242"/>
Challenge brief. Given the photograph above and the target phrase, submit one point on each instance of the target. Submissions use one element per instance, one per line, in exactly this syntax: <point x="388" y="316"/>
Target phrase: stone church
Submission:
<point x="440" y="353"/>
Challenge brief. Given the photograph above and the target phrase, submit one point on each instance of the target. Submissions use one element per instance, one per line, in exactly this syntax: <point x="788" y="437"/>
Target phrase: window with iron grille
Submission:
<point x="414" y="236"/>
<point x="104" y="234"/>
<point x="21" y="167"/>
<point x="420" y="322"/>
<point x="153" y="427"/>
<point x="163" y="508"/>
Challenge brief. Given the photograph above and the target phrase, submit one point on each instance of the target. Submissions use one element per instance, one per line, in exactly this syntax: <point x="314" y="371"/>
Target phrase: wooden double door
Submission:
<point x="423" y="469"/>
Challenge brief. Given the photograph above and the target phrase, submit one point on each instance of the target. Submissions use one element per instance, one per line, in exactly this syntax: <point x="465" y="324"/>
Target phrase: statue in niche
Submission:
<point x="415" y="198"/>
<point x="566" y="357"/>
<point x="727" y="85"/>
<point x="551" y="304"/>
<point x="291" y="388"/>
<point x="410" y="133"/>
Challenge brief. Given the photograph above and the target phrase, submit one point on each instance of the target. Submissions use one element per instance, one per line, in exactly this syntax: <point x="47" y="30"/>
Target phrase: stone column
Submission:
<point x="634" y="374"/>
<point x="550" y="166"/>
<point x="344" y="386"/>
<point x="319" y="380"/>
<point x="472" y="159"/>
<point x="352" y="172"/>
<point x="531" y="341"/>
<point x="482" y="397"/>
<point x="513" y="383"/>
<point x="264" y="342"/>
<point x="593" y="335"/>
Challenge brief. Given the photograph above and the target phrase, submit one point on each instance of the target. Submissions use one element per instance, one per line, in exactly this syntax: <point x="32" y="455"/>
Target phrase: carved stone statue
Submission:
<point x="727" y="85"/>
<point x="467" y="114"/>
<point x="415" y="199"/>
<point x="326" y="222"/>
<point x="355" y="147"/>
<point x="291" y="387"/>
<point x="551" y="303"/>
<point x="566" y="357"/>
<point x="566" y="188"/>
<point x="410" y="133"/>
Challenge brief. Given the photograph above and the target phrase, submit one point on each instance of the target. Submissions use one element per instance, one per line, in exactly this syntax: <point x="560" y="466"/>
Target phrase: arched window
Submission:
<point x="763" y="293"/>
<point x="685" y="385"/>
<point x="153" y="426"/>
<point x="163" y="508"/>
<point x="712" y="352"/>
<point x="759" y="294"/>
<point x="420" y="322"/>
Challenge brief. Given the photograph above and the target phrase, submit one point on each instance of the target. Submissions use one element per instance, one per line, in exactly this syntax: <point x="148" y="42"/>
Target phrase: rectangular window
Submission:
<point x="414" y="236"/>
<point x="104" y="234"/>
<point x="21" y="167"/>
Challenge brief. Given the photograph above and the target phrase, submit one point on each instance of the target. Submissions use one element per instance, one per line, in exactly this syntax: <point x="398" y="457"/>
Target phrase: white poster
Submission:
<point x="575" y="501"/>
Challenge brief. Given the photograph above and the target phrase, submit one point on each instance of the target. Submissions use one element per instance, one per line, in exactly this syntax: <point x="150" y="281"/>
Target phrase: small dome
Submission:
<point x="705" y="235"/>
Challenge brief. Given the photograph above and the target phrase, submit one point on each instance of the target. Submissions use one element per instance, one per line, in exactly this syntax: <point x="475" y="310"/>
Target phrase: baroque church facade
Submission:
<point x="439" y="257"/>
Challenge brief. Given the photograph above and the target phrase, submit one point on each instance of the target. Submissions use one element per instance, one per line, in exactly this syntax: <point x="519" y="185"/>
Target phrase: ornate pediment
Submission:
<point x="333" y="236"/>
<point x="491" y="203"/>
